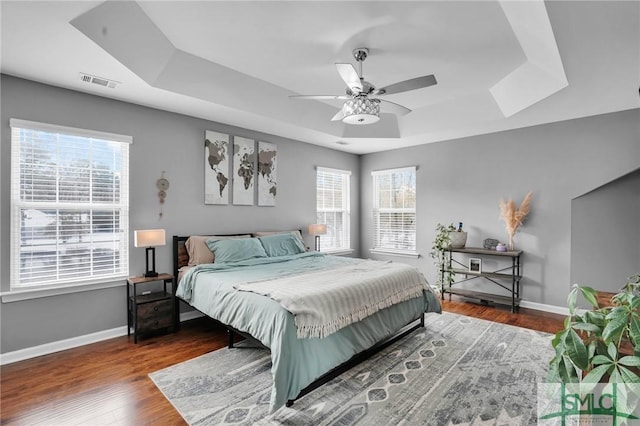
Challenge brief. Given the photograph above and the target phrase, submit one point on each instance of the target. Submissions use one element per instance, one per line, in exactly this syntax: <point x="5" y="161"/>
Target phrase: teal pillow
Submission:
<point x="281" y="244"/>
<point x="236" y="250"/>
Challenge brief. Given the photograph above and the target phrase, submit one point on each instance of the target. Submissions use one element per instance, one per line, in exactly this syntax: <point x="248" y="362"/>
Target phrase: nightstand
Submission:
<point x="151" y="308"/>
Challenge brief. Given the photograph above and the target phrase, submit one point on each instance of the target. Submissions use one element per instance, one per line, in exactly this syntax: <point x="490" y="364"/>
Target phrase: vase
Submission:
<point x="458" y="239"/>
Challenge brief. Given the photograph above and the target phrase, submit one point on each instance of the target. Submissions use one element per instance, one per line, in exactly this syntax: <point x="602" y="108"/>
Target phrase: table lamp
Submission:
<point x="150" y="239"/>
<point x="317" y="229"/>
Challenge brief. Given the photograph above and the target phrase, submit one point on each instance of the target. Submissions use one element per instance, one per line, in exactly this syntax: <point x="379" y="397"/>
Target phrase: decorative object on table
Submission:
<point x="513" y="217"/>
<point x="501" y="247"/>
<point x="267" y="172"/>
<point x="317" y="229"/>
<point x="475" y="265"/>
<point x="244" y="171"/>
<point x="162" y="184"/>
<point x="458" y="237"/>
<point x="597" y="345"/>
<point x="216" y="168"/>
<point x="441" y="243"/>
<point x="150" y="239"/>
<point x="490" y="243"/>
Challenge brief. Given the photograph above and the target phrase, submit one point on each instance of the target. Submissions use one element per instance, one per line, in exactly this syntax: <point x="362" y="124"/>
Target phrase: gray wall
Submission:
<point x="463" y="180"/>
<point x="162" y="141"/>
<point x="605" y="234"/>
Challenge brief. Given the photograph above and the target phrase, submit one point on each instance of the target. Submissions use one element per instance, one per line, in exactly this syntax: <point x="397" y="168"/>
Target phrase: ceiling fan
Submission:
<point x="360" y="107"/>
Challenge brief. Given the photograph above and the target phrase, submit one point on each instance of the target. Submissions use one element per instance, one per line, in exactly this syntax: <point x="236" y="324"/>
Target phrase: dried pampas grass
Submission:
<point x="513" y="217"/>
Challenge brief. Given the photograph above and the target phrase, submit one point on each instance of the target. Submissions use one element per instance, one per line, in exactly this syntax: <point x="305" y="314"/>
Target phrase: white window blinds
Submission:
<point x="69" y="205"/>
<point x="394" y="210"/>
<point x="333" y="207"/>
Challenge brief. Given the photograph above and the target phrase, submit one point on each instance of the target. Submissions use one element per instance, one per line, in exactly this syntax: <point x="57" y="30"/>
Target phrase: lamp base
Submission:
<point x="151" y="272"/>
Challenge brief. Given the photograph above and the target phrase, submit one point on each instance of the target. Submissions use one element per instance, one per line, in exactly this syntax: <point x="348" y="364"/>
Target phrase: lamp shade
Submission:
<point x="149" y="238"/>
<point x="317" y="229"/>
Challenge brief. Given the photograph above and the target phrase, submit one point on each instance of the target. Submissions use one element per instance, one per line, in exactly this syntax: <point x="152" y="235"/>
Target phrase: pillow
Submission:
<point x="196" y="246"/>
<point x="235" y="250"/>
<point x="281" y="244"/>
<point x="296" y="232"/>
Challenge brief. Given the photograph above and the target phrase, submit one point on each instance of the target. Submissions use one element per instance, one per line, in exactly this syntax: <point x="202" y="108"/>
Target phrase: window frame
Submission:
<point x="18" y="291"/>
<point x="345" y="178"/>
<point x="411" y="250"/>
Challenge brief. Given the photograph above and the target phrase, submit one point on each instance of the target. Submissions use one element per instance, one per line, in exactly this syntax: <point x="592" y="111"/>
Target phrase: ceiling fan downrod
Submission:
<point x="360" y="53"/>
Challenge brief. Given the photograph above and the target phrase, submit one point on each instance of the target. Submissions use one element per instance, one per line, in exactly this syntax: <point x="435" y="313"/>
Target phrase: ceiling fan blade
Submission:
<point x="320" y="97"/>
<point x="350" y="77"/>
<point x="394" y="108"/>
<point x="339" y="116"/>
<point x="405" y="86"/>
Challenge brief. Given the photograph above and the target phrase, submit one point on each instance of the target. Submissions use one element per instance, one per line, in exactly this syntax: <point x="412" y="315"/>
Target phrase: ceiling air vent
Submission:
<point x="104" y="82"/>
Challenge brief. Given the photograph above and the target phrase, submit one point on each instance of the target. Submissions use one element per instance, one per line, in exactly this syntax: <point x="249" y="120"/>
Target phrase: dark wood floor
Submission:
<point x="107" y="383"/>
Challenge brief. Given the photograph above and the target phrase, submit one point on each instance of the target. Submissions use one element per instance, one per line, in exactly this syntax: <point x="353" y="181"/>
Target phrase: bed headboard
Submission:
<point x="180" y="255"/>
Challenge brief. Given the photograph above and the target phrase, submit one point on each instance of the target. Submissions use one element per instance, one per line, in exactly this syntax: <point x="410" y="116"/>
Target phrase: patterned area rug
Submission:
<point x="456" y="371"/>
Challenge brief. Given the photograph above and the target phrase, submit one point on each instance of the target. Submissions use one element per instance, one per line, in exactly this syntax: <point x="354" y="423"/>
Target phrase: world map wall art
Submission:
<point x="216" y="168"/>
<point x="230" y="164"/>
<point x="244" y="168"/>
<point x="267" y="171"/>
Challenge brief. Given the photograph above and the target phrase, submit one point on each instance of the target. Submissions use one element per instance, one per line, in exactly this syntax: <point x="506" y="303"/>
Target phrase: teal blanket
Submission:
<point x="295" y="362"/>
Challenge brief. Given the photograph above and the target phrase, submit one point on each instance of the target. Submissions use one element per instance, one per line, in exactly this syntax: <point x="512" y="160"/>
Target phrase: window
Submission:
<point x="69" y="206"/>
<point x="333" y="207"/>
<point x="394" y="210"/>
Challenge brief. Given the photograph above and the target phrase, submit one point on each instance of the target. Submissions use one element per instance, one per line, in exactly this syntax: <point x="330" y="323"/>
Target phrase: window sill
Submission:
<point x="338" y="252"/>
<point x="412" y="254"/>
<point x="36" y="293"/>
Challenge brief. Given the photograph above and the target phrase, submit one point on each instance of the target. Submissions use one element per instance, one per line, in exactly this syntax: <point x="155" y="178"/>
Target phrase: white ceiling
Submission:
<point x="499" y="65"/>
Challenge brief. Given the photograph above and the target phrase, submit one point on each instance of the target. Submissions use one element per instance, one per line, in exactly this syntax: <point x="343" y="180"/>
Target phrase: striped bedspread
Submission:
<point x="325" y="301"/>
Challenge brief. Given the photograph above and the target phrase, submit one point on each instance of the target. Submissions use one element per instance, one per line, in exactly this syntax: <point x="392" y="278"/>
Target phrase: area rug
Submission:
<point x="456" y="371"/>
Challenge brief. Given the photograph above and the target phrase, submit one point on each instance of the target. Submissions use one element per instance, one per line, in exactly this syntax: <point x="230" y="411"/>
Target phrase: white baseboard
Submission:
<point x="561" y="310"/>
<point x="74" y="342"/>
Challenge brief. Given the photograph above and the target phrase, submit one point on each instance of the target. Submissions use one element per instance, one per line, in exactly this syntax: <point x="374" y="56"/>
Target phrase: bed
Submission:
<point x="256" y="295"/>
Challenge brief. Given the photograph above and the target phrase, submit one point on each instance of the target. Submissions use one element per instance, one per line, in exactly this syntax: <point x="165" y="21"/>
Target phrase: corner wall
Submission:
<point x="605" y="234"/>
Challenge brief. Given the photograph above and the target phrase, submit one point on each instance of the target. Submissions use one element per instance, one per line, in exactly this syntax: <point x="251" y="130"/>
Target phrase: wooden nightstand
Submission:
<point x="150" y="308"/>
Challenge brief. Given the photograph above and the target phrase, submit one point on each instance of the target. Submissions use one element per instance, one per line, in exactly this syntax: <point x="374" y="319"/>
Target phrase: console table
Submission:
<point x="501" y="277"/>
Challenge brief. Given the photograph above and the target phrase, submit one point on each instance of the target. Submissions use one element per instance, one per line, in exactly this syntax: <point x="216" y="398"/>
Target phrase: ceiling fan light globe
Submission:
<point x="361" y="110"/>
<point x="360" y="119"/>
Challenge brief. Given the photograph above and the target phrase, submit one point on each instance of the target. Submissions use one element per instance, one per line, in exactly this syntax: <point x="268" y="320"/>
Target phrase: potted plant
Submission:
<point x="441" y="243"/>
<point x="601" y="345"/>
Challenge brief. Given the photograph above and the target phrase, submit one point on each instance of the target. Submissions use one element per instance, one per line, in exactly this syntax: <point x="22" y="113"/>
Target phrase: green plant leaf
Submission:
<point x="572" y="299"/>
<point x="614" y="328"/>
<point x="628" y="376"/>
<point x="634" y="330"/>
<point x="559" y="338"/>
<point x="590" y="295"/>
<point x="612" y="350"/>
<point x="596" y="374"/>
<point x="591" y="349"/>
<point x="617" y="313"/>
<point x="601" y="359"/>
<point x="567" y="371"/>
<point x="595" y="317"/>
<point x="630" y="361"/>
<point x="586" y="326"/>
<point x="576" y="350"/>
